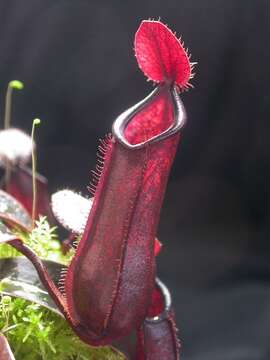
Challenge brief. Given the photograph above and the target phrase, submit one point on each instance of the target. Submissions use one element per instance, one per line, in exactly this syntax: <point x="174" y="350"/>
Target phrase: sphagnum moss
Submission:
<point x="36" y="333"/>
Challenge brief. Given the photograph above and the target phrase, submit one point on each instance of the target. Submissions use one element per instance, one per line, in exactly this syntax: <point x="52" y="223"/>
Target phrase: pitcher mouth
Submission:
<point x="167" y="304"/>
<point x="162" y="129"/>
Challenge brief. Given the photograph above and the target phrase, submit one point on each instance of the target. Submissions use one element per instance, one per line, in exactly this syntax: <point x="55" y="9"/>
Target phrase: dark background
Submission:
<point x="76" y="60"/>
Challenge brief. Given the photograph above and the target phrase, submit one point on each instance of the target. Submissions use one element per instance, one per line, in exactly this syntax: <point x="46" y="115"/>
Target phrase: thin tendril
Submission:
<point x="8" y="107"/>
<point x="34" y="164"/>
<point x="18" y="85"/>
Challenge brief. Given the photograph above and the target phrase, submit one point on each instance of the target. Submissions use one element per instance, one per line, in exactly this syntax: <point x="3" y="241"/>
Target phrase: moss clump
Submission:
<point x="43" y="240"/>
<point x="36" y="333"/>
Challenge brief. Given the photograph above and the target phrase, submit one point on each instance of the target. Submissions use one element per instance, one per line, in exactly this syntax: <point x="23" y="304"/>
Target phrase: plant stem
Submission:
<point x="8" y="107"/>
<point x="7" y="119"/>
<point x="34" y="161"/>
<point x="14" y="84"/>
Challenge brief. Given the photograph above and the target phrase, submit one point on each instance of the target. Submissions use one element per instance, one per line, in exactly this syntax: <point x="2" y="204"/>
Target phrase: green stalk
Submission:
<point x="34" y="166"/>
<point x="14" y="84"/>
<point x="18" y="85"/>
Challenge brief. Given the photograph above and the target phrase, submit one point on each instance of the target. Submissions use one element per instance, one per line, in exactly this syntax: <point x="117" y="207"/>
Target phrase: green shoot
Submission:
<point x="14" y="84"/>
<point x="18" y="85"/>
<point x="34" y="160"/>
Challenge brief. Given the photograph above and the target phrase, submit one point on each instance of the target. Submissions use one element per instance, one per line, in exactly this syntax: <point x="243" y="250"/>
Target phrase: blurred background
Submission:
<point x="77" y="62"/>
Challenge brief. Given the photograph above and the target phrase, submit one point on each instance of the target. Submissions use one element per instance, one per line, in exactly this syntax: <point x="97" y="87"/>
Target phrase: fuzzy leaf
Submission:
<point x="160" y="55"/>
<point x="15" y="146"/>
<point x="71" y="210"/>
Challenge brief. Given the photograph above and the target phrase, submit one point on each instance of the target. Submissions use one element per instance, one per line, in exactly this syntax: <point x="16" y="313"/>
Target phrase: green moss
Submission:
<point x="43" y="240"/>
<point x="36" y="333"/>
